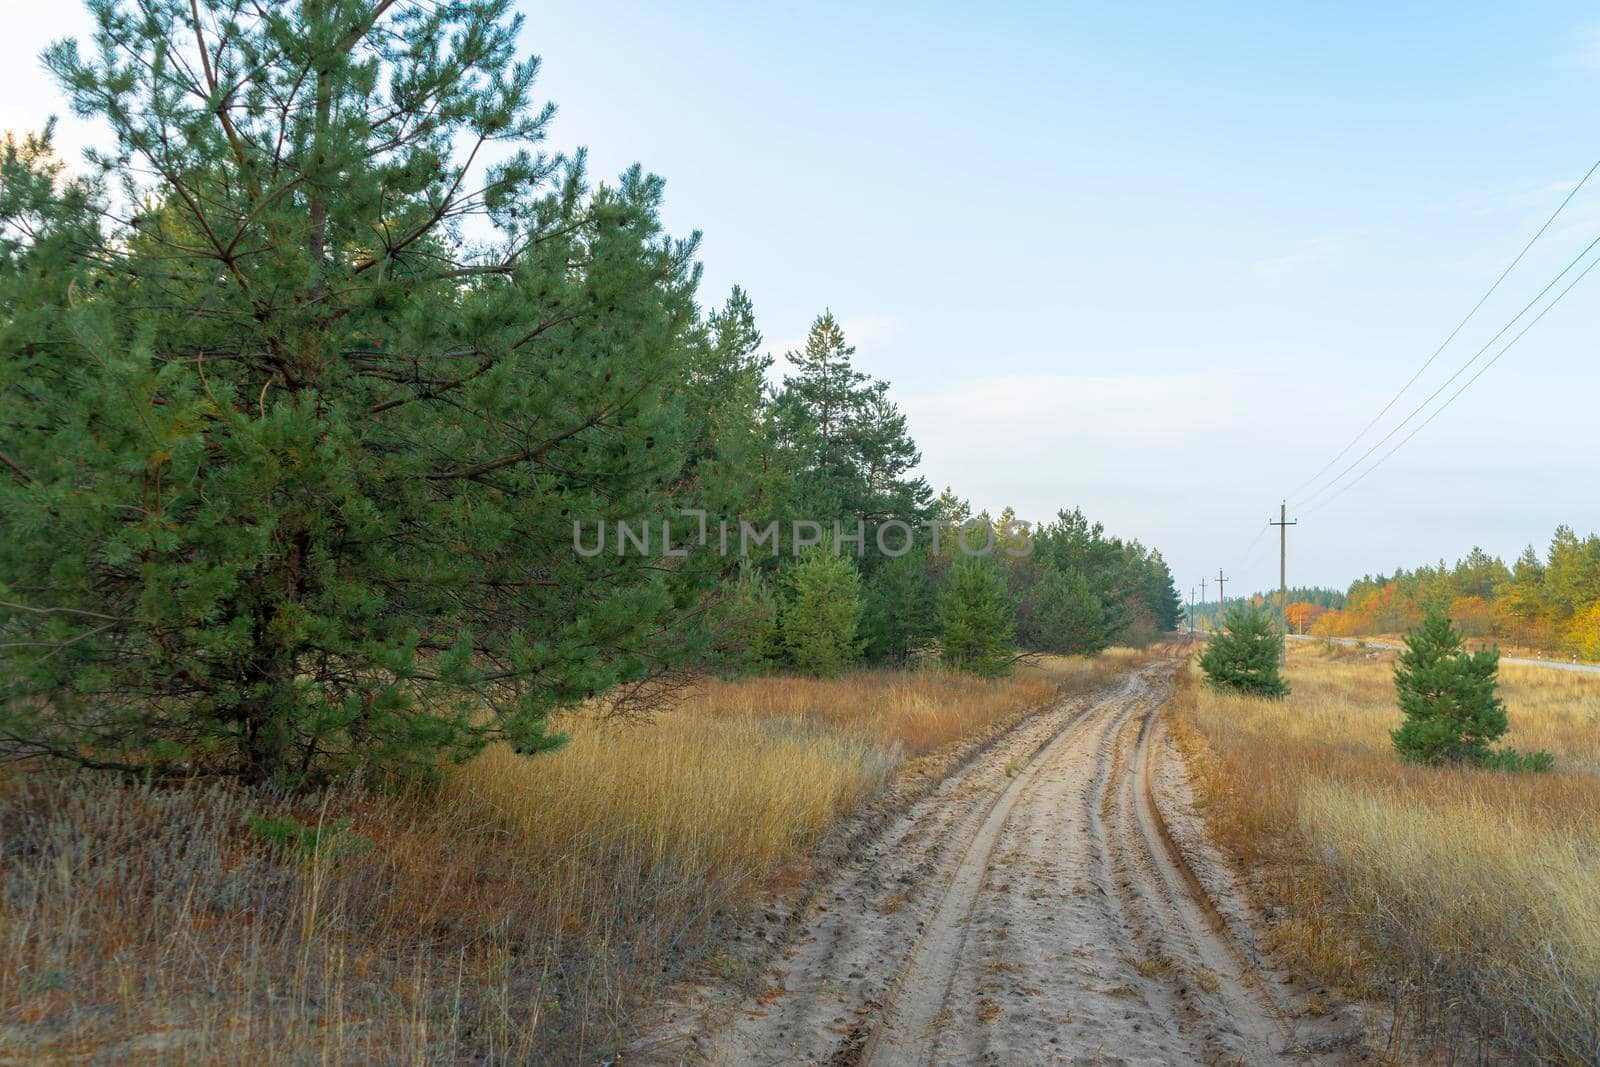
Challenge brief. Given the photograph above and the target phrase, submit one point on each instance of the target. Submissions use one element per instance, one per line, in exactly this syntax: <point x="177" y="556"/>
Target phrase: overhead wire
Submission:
<point x="1306" y="501"/>
<point x="1468" y="383"/>
<point x="1446" y="342"/>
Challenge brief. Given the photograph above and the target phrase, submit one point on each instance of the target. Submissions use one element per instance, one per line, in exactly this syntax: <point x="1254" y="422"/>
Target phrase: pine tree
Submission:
<point x="1243" y="655"/>
<point x="976" y="618"/>
<point x="1572" y="578"/>
<point x="1161" y="592"/>
<point x="1057" y="612"/>
<point x="900" y="612"/>
<point x="827" y="385"/>
<point x="855" y="452"/>
<point x="1523" y="594"/>
<point x="884" y="455"/>
<point x="291" y="463"/>
<point x="822" y="612"/>
<point x="743" y="625"/>
<point x="1453" y="711"/>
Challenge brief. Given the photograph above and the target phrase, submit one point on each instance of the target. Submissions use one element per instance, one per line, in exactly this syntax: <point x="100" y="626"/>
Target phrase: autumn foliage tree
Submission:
<point x="1301" y="615"/>
<point x="1541" y="602"/>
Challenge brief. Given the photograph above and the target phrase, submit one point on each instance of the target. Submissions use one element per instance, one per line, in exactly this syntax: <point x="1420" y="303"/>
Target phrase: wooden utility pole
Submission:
<point x="1191" y="613"/>
<point x="1202" y="592"/>
<point x="1283" y="525"/>
<point x="1222" y="598"/>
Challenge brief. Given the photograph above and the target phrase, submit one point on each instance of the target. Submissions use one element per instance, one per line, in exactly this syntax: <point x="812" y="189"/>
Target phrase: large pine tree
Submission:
<point x="854" y="451"/>
<point x="301" y="396"/>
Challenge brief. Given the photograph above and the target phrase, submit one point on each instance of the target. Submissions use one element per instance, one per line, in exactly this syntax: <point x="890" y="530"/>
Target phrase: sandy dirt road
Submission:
<point x="1054" y="902"/>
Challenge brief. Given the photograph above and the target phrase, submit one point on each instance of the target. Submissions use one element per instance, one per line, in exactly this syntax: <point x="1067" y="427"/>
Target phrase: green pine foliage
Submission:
<point x="1138" y="599"/>
<point x="1243" y="656"/>
<point x="743" y="626"/>
<point x="1450" y="697"/>
<point x="976" y="618"/>
<point x="900" y="616"/>
<point x="292" y="464"/>
<point x="1056" y="611"/>
<point x="822" y="612"/>
<point x="854" y="453"/>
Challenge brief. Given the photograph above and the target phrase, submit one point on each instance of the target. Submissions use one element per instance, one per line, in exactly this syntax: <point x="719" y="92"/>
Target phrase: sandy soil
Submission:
<point x="1055" y="901"/>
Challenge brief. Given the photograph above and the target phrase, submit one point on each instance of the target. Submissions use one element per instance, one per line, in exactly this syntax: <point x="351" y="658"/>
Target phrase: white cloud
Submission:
<point x="1020" y="413"/>
<point x="1045" y="441"/>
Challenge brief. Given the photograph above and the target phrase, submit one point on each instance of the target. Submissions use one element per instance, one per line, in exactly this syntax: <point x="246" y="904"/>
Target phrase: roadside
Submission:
<point x="1364" y="642"/>
<point x="522" y="909"/>
<point x="1456" y="902"/>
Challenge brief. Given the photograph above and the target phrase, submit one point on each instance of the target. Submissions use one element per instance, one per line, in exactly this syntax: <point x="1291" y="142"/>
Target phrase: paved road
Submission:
<point x="1581" y="668"/>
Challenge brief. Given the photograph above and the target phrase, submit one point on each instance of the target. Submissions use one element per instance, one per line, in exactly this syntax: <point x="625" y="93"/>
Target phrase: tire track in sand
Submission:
<point x="1037" y="908"/>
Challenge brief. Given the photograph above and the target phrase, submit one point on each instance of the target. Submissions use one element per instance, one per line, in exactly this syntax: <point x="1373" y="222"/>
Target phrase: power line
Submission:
<point x="1250" y="548"/>
<point x="1242" y="561"/>
<point x="1465" y="386"/>
<point x="1446" y="342"/>
<point x="1459" y="371"/>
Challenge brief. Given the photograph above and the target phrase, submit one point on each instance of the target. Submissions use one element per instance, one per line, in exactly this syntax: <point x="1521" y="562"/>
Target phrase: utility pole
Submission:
<point x="1222" y="598"/>
<point x="1191" y="613"/>
<point x="1283" y="525"/>
<point x="1202" y="592"/>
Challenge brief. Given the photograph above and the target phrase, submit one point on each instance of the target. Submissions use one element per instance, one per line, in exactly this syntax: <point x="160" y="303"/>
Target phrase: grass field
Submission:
<point x="1464" y="899"/>
<point x="521" y="911"/>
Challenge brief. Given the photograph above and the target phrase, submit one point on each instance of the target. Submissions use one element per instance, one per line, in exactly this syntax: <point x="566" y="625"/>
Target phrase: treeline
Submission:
<point x="1550" y="602"/>
<point x="292" y="469"/>
<point x="1304" y="603"/>
<point x="899" y="573"/>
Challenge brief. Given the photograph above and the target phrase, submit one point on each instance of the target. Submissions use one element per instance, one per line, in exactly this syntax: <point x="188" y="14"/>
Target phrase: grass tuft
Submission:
<point x="1463" y="897"/>
<point x="521" y="911"/>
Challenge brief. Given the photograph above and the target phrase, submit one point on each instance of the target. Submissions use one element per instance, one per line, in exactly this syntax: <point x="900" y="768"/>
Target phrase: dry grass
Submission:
<point x="1465" y="898"/>
<point x="519" y="912"/>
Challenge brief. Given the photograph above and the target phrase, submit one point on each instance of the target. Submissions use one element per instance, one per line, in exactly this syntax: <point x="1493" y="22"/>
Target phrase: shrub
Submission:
<point x="1243" y="655"/>
<point x="321" y="841"/>
<point x="822" y="612"/>
<point x="743" y="624"/>
<point x="976" y="619"/>
<point x="1452" y="703"/>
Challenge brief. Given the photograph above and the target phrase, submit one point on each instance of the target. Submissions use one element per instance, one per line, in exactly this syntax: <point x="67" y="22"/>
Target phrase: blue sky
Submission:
<point x="1158" y="262"/>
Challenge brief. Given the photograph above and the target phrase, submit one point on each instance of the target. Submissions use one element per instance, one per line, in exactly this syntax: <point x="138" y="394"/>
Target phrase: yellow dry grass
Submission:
<point x="696" y="793"/>
<point x="1465" y="898"/>
<point x="520" y="912"/>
